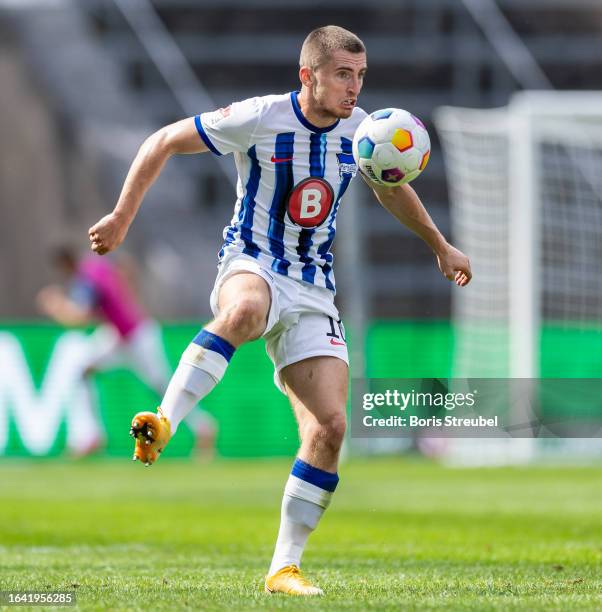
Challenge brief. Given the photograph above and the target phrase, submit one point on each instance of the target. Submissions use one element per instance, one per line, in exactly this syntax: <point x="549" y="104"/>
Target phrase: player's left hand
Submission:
<point x="454" y="265"/>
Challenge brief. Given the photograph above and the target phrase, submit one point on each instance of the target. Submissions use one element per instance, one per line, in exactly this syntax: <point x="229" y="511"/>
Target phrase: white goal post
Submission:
<point x="525" y="184"/>
<point x="526" y="204"/>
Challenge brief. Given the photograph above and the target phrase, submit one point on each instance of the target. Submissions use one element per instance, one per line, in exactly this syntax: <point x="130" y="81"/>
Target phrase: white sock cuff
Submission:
<point x="204" y="359"/>
<point x="192" y="380"/>
<point x="301" y="489"/>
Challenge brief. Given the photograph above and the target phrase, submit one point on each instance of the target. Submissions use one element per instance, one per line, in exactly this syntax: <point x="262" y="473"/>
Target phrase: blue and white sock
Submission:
<point x="307" y="494"/>
<point x="201" y="367"/>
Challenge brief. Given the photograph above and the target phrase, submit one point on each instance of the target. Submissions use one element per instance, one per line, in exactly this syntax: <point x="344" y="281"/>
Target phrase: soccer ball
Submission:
<point x="391" y="147"/>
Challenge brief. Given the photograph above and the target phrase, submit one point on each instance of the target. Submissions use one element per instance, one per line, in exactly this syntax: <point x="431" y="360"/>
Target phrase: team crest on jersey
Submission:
<point x="310" y="201"/>
<point x="347" y="165"/>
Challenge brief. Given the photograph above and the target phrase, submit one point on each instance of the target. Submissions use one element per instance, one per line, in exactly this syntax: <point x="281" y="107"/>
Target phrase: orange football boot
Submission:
<point x="152" y="433"/>
<point x="290" y="580"/>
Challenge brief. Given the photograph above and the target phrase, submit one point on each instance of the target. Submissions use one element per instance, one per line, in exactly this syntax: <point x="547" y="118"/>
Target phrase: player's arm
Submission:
<point x="177" y="138"/>
<point x="54" y="303"/>
<point x="405" y="205"/>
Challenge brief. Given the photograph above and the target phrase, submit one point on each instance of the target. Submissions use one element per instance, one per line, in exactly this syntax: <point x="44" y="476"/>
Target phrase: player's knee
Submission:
<point x="331" y="431"/>
<point x="246" y="318"/>
<point x="337" y="427"/>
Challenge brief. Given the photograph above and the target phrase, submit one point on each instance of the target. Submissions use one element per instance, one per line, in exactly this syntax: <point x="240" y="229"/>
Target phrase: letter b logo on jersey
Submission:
<point x="310" y="202"/>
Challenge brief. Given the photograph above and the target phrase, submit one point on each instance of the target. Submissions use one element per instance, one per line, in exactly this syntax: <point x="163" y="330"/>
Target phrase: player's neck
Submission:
<point x="314" y="114"/>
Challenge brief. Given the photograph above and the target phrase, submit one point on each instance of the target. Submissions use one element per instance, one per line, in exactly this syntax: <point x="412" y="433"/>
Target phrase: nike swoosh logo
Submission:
<point x="280" y="160"/>
<point x="335" y="343"/>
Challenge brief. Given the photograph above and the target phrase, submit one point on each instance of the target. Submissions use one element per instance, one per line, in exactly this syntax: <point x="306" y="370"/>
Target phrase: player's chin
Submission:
<point x="344" y="111"/>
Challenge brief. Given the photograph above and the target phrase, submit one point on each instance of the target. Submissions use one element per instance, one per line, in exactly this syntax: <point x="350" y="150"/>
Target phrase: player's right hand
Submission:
<point x="108" y="233"/>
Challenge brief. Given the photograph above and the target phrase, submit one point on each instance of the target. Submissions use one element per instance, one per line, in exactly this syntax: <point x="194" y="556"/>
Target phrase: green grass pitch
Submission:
<point x="400" y="535"/>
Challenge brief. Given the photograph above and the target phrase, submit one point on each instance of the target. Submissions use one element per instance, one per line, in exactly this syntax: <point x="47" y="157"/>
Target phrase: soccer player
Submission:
<point x="98" y="289"/>
<point x="275" y="279"/>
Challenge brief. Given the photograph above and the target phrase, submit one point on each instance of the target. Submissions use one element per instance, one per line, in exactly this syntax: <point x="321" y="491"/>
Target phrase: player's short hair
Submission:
<point x="321" y="43"/>
<point x="63" y="255"/>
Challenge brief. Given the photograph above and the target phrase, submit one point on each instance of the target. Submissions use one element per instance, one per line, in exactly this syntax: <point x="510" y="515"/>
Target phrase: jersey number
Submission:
<point x="310" y="201"/>
<point x="333" y="332"/>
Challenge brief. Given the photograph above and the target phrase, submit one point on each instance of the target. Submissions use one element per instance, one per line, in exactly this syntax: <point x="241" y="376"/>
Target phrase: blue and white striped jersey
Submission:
<point x="291" y="178"/>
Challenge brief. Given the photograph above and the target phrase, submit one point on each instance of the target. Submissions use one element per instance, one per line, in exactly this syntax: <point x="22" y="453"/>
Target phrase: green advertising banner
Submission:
<point x="46" y="410"/>
<point x="43" y="408"/>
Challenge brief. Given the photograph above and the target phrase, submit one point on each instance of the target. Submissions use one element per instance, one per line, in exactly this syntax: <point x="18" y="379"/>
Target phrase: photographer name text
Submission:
<point x="405" y="401"/>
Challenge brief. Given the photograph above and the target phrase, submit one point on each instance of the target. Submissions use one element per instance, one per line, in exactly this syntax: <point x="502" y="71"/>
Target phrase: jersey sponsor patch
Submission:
<point x="310" y="201"/>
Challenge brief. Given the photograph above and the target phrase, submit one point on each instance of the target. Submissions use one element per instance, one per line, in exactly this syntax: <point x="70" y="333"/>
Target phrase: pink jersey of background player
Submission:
<point x="101" y="289"/>
<point x="100" y="285"/>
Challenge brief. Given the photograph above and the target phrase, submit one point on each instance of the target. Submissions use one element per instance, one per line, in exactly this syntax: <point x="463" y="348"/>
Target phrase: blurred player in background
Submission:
<point x="294" y="160"/>
<point x="101" y="290"/>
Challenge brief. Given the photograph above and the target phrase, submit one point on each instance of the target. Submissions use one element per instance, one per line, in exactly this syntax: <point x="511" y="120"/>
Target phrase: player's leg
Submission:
<point x="106" y="350"/>
<point x="243" y="306"/>
<point x="147" y="358"/>
<point x="317" y="389"/>
<point x="103" y="351"/>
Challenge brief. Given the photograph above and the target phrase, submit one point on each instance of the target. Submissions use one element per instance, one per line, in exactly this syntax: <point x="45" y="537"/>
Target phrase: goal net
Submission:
<point x="525" y="185"/>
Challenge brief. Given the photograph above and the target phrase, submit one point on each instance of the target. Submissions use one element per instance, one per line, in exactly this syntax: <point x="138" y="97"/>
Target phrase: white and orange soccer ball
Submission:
<point x="391" y="147"/>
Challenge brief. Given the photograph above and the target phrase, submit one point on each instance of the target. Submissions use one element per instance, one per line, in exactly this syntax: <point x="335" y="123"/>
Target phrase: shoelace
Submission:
<point x="294" y="572"/>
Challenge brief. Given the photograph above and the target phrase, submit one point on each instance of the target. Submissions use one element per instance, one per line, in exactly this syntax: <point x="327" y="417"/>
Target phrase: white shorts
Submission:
<point x="142" y="351"/>
<point x="303" y="321"/>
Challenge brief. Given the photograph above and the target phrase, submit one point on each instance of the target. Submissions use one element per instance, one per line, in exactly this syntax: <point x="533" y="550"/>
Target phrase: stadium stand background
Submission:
<point x="91" y="94"/>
